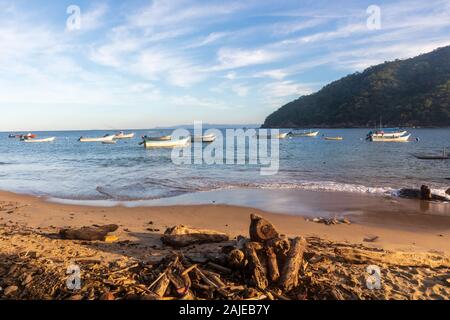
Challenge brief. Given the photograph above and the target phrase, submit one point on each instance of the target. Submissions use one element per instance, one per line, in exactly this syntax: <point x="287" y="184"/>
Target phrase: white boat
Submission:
<point x="404" y="138"/>
<point x="102" y="139"/>
<point x="388" y="134"/>
<point x="40" y="140"/>
<point x="167" y="143"/>
<point x="208" y="138"/>
<point x="163" y="138"/>
<point x="121" y="135"/>
<point x="269" y="136"/>
<point x="310" y="134"/>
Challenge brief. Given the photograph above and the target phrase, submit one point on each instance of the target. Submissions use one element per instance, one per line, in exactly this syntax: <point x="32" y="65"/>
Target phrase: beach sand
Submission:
<point x="412" y="255"/>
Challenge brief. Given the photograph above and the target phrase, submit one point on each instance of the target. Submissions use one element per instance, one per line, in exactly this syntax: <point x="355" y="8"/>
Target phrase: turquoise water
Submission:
<point x="68" y="169"/>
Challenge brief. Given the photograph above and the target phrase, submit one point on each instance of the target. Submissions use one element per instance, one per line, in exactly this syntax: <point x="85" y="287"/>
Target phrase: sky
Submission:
<point x="143" y="64"/>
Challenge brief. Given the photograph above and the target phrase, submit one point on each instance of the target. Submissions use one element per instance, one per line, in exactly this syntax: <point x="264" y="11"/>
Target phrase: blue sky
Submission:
<point x="140" y="64"/>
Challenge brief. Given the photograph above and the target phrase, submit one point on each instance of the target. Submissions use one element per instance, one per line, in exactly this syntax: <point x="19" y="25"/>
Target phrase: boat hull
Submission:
<point x="306" y="134"/>
<point x="388" y="135"/>
<point x="205" y="139"/>
<point x="40" y="140"/>
<point x="163" y="138"/>
<point x="103" y="139"/>
<point x="334" y="138"/>
<point x="385" y="139"/>
<point x="150" y="144"/>
<point x="277" y="136"/>
<point x="124" y="136"/>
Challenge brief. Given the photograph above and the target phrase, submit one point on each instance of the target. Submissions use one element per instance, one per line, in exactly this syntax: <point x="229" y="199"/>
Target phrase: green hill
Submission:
<point x="411" y="92"/>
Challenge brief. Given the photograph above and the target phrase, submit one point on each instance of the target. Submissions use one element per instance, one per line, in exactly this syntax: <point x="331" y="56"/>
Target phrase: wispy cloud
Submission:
<point x="199" y="55"/>
<point x="233" y="58"/>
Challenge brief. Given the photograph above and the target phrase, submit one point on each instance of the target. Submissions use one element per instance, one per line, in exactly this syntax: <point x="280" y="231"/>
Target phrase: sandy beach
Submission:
<point x="414" y="257"/>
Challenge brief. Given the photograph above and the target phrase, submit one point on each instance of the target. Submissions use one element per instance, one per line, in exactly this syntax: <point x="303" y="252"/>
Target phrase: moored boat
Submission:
<point x="27" y="136"/>
<point x="334" y="138"/>
<point x="207" y="138"/>
<point x="388" y="133"/>
<point x="122" y="135"/>
<point x="443" y="156"/>
<point x="404" y="138"/>
<point x="102" y="139"/>
<point x="162" y="138"/>
<point x="307" y="134"/>
<point x="167" y="143"/>
<point x="270" y="136"/>
<point x="51" y="139"/>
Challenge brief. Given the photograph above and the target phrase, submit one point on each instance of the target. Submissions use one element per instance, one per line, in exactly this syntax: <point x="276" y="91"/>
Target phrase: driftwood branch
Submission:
<point x="181" y="236"/>
<point x="289" y="275"/>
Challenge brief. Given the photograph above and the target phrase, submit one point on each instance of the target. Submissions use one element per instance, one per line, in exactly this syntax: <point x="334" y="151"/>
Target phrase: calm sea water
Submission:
<point x="68" y="169"/>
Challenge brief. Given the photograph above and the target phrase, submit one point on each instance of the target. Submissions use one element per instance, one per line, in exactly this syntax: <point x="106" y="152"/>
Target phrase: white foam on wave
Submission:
<point x="330" y="186"/>
<point x="320" y="186"/>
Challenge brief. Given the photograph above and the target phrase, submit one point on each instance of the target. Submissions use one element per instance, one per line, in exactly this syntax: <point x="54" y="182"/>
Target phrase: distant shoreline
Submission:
<point x="209" y="127"/>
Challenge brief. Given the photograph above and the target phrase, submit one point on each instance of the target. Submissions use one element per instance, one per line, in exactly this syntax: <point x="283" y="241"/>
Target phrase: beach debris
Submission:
<point x="10" y="290"/>
<point x="290" y="274"/>
<point x="182" y="236"/>
<point x="447" y="191"/>
<point x="261" y="229"/>
<point x="107" y="296"/>
<point x="111" y="239"/>
<point x="424" y="193"/>
<point x="264" y="266"/>
<point x="278" y="268"/>
<point x="331" y="221"/>
<point x="371" y="238"/>
<point x="94" y="233"/>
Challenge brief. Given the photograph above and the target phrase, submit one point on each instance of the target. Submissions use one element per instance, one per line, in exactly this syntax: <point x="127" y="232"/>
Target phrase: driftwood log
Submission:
<point x="289" y="275"/>
<point x="261" y="229"/>
<point x="88" y="233"/>
<point x="256" y="269"/>
<point x="181" y="236"/>
<point x="272" y="265"/>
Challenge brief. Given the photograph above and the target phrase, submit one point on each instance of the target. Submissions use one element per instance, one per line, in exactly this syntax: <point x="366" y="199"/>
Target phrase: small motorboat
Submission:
<point x="443" y="156"/>
<point x="106" y="138"/>
<point x="334" y="138"/>
<point x="121" y="135"/>
<point x="206" y="139"/>
<point x="305" y="134"/>
<point x="14" y="136"/>
<point x="51" y="139"/>
<point x="387" y="133"/>
<point x="27" y="136"/>
<point x="276" y="136"/>
<point x="167" y="143"/>
<point x="163" y="138"/>
<point x="375" y="138"/>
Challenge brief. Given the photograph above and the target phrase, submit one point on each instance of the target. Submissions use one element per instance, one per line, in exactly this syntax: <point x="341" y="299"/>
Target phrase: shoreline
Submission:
<point x="409" y="232"/>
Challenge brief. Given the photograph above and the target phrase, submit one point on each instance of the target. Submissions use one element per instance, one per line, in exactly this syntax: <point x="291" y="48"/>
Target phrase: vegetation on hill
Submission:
<point x="411" y="92"/>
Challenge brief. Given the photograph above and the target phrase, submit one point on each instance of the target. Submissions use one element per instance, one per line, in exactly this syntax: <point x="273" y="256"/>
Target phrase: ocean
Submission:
<point x="70" y="170"/>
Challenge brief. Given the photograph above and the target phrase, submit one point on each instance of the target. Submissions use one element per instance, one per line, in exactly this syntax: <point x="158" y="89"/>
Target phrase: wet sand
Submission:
<point x="412" y="249"/>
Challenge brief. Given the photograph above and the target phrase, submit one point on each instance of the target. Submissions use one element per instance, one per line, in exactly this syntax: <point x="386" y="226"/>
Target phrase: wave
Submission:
<point x="153" y="189"/>
<point x="329" y="186"/>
